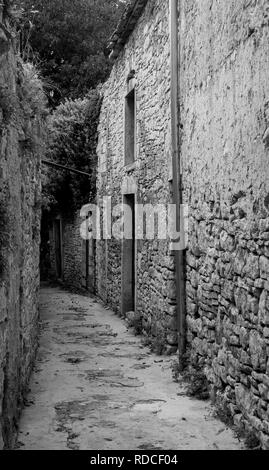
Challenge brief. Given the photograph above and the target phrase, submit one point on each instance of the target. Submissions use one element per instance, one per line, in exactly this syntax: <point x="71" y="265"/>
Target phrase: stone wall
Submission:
<point x="20" y="153"/>
<point x="225" y="149"/>
<point x="147" y="52"/>
<point x="78" y="256"/>
<point x="72" y="248"/>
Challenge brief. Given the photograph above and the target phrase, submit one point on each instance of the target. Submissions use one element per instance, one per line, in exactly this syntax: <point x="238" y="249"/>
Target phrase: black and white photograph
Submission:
<point x="134" y="230"/>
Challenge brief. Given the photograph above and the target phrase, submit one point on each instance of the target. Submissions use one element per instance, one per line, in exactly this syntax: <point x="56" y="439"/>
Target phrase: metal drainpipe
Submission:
<point x="176" y="158"/>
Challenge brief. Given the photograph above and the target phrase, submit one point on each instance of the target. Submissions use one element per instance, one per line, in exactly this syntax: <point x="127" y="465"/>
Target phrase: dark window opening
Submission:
<point x="130" y="128"/>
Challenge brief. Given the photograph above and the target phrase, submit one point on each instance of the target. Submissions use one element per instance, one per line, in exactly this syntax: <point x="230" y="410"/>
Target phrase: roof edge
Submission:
<point x="125" y="27"/>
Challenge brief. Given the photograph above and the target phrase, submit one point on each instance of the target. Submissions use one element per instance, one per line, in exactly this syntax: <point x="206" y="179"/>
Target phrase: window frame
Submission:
<point x="131" y="89"/>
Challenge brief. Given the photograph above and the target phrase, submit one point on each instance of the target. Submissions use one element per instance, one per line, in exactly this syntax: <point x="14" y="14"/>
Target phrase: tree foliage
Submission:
<point x="66" y="40"/>
<point x="68" y="37"/>
<point x="72" y="141"/>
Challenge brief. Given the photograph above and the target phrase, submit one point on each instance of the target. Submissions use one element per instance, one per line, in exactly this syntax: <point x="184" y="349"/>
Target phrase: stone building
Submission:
<point x="215" y="122"/>
<point x="135" y="168"/>
<point x="22" y="108"/>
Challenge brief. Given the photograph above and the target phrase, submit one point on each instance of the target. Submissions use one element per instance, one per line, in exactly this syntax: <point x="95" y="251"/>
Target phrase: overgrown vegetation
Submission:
<point x="197" y="384"/>
<point x="223" y="412"/>
<point x="32" y="104"/>
<point x="27" y="102"/>
<point x="158" y="343"/>
<point x="248" y="436"/>
<point x="134" y="321"/>
<point x="66" y="41"/>
<point x="251" y="440"/>
<point x="66" y="38"/>
<point x="72" y="141"/>
<point x="30" y="91"/>
<point x="22" y="106"/>
<point x="194" y="379"/>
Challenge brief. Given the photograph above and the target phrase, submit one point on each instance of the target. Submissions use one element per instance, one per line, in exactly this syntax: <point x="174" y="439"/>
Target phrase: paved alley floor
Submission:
<point x="96" y="387"/>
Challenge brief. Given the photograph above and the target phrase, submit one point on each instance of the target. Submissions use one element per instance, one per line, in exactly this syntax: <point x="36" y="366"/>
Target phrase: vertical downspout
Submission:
<point x="177" y="184"/>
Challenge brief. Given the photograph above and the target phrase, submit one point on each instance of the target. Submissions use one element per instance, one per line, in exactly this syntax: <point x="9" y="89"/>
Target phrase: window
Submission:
<point x="103" y="145"/>
<point x="130" y="127"/>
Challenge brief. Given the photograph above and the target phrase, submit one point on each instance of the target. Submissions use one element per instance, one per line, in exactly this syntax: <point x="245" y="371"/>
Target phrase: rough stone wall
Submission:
<point x="147" y="52"/>
<point x="20" y="155"/>
<point x="225" y="149"/>
<point x="74" y="253"/>
<point x="72" y="248"/>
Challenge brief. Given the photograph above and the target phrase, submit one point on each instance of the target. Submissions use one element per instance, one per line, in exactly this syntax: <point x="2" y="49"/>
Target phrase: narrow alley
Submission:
<point x="96" y="387"/>
<point x="134" y="190"/>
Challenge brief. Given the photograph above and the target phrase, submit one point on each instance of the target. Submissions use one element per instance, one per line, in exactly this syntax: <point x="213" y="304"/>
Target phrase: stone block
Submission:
<point x="264" y="308"/>
<point x="171" y="290"/>
<point x="244" y="337"/>
<point x="239" y="260"/>
<point x="257" y="348"/>
<point x="264" y="392"/>
<point x="266" y="332"/>
<point x="264" y="267"/>
<point x="172" y="324"/>
<point x="264" y="438"/>
<point x="265" y="424"/>
<point x="252" y="267"/>
<point x="245" y="399"/>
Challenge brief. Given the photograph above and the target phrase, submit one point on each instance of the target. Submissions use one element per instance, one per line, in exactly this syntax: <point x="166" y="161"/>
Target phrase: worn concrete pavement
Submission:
<point x="96" y="387"/>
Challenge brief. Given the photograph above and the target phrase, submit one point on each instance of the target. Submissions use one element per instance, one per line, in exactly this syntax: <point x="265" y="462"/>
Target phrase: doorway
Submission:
<point x="85" y="263"/>
<point x="58" y="248"/>
<point x="88" y="265"/>
<point x="128" y="256"/>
